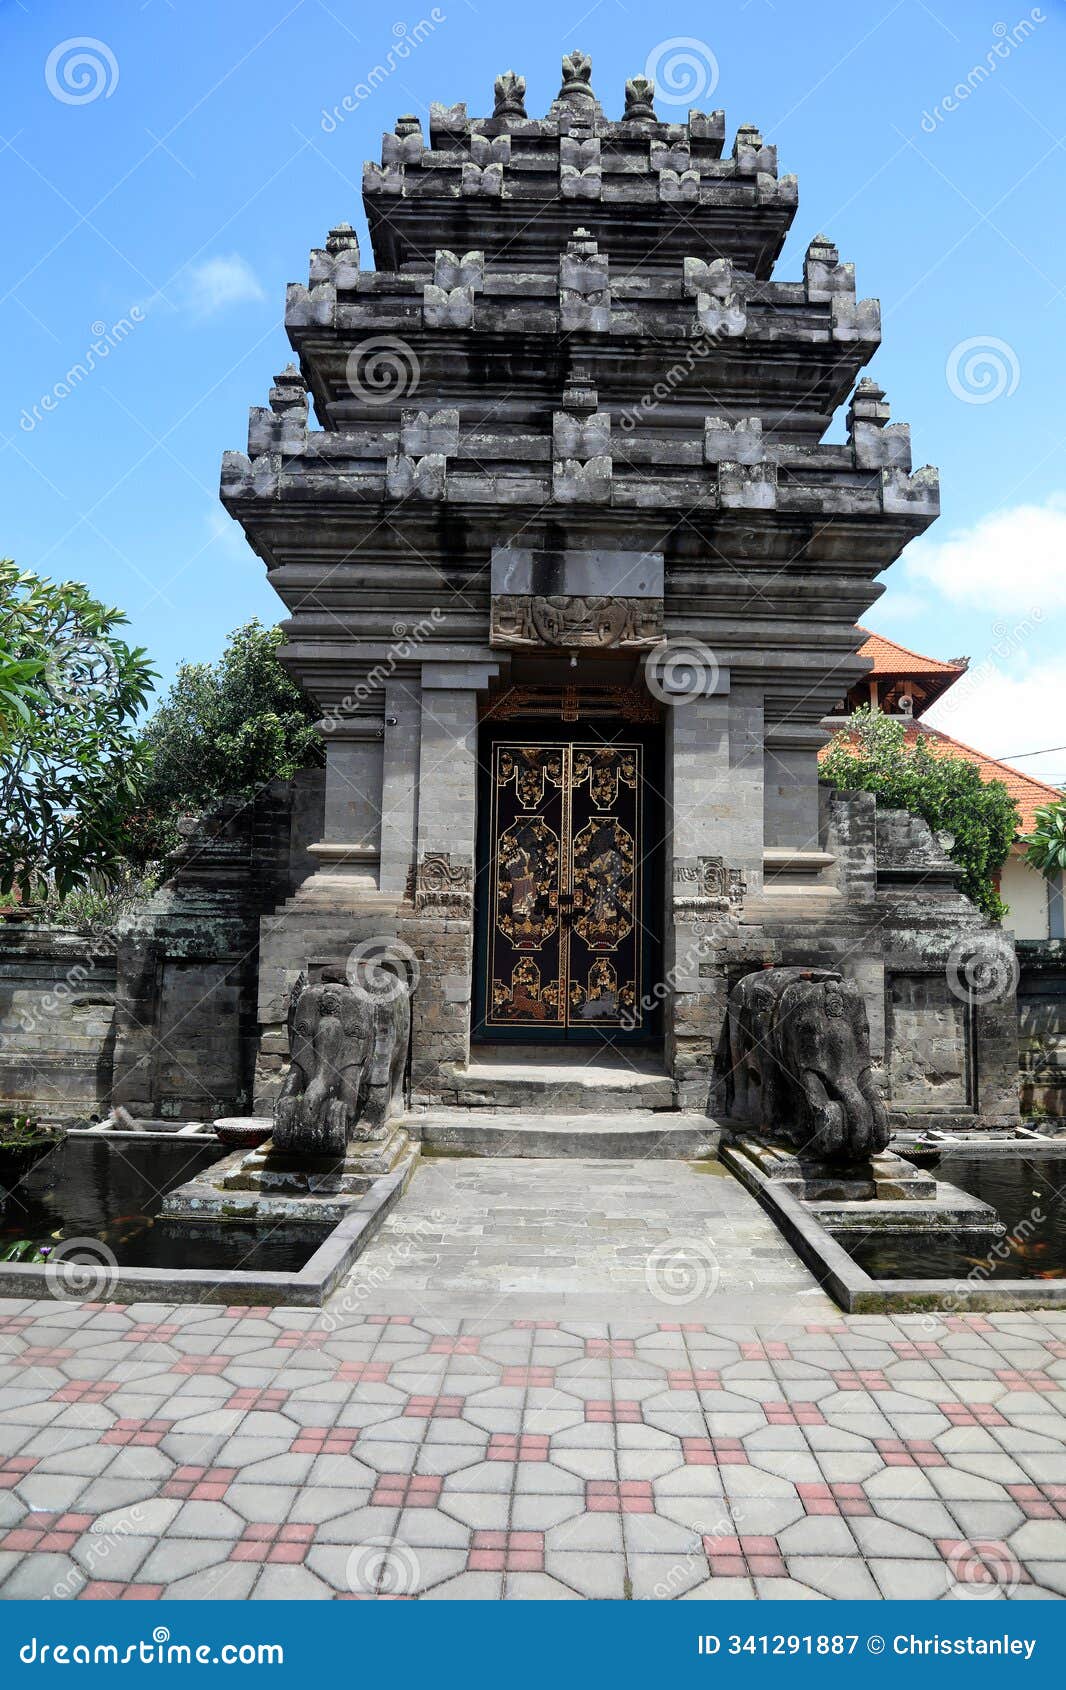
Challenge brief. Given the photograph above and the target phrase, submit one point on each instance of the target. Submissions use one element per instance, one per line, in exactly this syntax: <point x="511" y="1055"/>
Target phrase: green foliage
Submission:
<point x="25" y="1250"/>
<point x="1045" y="847"/>
<point x="872" y="755"/>
<point x="17" y="1130"/>
<point x="70" y="762"/>
<point x="224" y="730"/>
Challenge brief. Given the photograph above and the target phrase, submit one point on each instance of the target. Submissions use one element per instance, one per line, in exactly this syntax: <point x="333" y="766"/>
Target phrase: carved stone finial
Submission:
<point x="289" y="392"/>
<point x="343" y="238"/>
<point x="640" y="98"/>
<point x="510" y="94"/>
<point x="576" y="90"/>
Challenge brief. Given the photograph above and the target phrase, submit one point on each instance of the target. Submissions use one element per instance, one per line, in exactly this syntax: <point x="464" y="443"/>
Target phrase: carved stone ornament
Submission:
<point x="794" y="1062"/>
<point x="510" y="92"/>
<point x="526" y="620"/>
<point x="708" y="887"/>
<point x="439" y="882"/>
<point x="640" y="98"/>
<point x="347" y="1052"/>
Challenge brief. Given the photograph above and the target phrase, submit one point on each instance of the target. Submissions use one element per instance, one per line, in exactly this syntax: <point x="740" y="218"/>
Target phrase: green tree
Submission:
<point x="224" y="730"/>
<point x="70" y="762"/>
<point x="873" y="754"/>
<point x="1045" y="847"/>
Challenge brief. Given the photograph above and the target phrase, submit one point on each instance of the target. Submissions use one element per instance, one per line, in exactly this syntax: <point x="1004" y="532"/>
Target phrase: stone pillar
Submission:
<point x="714" y="775"/>
<point x="791" y="784"/>
<point x="353" y="793"/>
<point x="399" y="785"/>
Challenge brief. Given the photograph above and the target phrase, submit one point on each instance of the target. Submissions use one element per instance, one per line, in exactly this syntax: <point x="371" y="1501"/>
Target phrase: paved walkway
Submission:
<point x="159" y="1451"/>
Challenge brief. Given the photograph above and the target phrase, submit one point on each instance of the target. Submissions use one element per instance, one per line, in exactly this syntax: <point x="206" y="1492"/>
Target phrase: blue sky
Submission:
<point x="170" y="210"/>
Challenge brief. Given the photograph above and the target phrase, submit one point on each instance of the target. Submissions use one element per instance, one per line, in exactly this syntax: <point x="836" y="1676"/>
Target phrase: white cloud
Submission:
<point x="1013" y="560"/>
<point x="218" y="283"/>
<point x="1004" y="714"/>
<point x="227" y="534"/>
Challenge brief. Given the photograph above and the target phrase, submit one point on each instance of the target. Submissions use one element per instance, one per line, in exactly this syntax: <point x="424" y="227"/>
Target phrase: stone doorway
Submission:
<point x="569" y="883"/>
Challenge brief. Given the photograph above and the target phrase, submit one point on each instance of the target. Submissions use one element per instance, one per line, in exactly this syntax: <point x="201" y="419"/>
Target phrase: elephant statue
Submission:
<point x="348" y="1054"/>
<point x="794" y="1061"/>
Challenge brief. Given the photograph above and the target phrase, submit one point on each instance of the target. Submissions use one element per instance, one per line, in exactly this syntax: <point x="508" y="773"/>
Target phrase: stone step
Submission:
<point x="633" y="1134"/>
<point x="562" y="1081"/>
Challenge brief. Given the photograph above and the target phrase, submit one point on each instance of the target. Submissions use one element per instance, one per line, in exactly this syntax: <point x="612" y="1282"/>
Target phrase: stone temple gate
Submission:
<point x="575" y="581"/>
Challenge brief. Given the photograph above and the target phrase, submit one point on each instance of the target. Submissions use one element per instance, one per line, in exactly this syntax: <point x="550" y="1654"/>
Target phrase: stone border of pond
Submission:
<point x="308" y="1288"/>
<point x="858" y="1292"/>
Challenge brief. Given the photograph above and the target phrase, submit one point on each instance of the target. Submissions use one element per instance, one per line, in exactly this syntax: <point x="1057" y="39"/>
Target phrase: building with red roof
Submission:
<point x="905" y="683"/>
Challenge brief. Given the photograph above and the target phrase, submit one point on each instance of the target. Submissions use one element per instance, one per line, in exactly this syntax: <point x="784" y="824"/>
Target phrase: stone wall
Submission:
<point x="158" y="1015"/>
<point x="1042" y="1026"/>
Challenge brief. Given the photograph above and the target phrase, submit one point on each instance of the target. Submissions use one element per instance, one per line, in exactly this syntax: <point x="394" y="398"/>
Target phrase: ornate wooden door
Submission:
<point x="565" y="941"/>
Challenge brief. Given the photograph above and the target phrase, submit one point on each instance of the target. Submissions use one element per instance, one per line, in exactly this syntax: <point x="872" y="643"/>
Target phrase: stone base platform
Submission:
<point x="558" y="1080"/>
<point x="658" y="1134"/>
<point x="268" y="1184"/>
<point x="883" y="1192"/>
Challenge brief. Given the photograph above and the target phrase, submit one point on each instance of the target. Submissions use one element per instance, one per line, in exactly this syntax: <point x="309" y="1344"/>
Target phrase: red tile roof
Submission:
<point x="892" y="659"/>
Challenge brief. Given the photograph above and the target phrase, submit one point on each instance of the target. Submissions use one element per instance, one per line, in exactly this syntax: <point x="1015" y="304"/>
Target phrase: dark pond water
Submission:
<point x="93" y="1188"/>
<point x="1029" y="1195"/>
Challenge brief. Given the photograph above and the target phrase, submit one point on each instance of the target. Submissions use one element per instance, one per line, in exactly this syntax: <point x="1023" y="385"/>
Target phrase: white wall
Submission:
<point x="1026" y="891"/>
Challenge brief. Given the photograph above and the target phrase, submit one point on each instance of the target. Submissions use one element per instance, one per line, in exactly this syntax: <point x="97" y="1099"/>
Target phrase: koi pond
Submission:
<point x="1027" y="1192"/>
<point x="112" y="1189"/>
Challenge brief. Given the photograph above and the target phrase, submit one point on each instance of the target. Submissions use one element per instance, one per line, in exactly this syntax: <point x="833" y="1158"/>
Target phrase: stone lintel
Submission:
<point x="577" y="574"/>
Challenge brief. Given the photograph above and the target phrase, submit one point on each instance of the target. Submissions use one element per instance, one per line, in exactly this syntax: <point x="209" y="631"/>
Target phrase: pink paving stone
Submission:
<point x="614" y="1496"/>
<point x="533" y="1377"/>
<point x="36" y="1355"/>
<point x="249" y="1397"/>
<point x="325" y="1440"/>
<point x="834" y="1499"/>
<point x="536" y="1325"/>
<point x="527" y="1446"/>
<point x="623" y="1348"/>
<point x="1027" y="1379"/>
<point x="895" y="1452"/>
<point x="470" y="1345"/>
<point x="512" y="1552"/>
<point x="1032" y="1502"/>
<point x="617" y="1413"/>
<point x="793" y="1414"/>
<point x="732" y="1557"/>
<point x="407" y="1490"/>
<point x="285" y="1545"/>
<point x="766" y="1352"/>
<point x="365" y="1372"/>
<point x="210" y="1366"/>
<point x="968" y="1323"/>
<point x="433" y="1408"/>
<point x="390" y="1319"/>
<point x="150" y="1334"/>
<point x="714" y="1452"/>
<point x="145" y="1433"/>
<point x="84" y="1390"/>
<point x="100" y="1590"/>
<point x="681" y="1326"/>
<point x="972" y="1414"/>
<point x="865" y="1379"/>
<point x="907" y="1350"/>
<point x="693" y="1379"/>
<point x="15" y="1323"/>
<point x="247" y="1311"/>
<point x="825" y="1326"/>
<point x="47" y="1532"/>
<point x="200" y="1484"/>
<point x="301" y="1340"/>
<point x="15" y="1467"/>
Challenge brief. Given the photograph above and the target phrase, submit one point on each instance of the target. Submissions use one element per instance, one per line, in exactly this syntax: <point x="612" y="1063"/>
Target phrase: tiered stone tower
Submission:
<point x="569" y="471"/>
